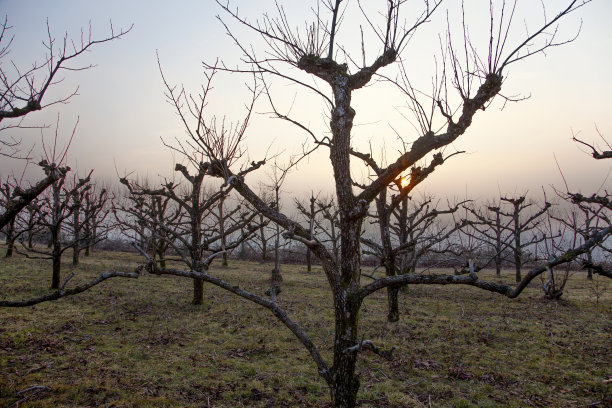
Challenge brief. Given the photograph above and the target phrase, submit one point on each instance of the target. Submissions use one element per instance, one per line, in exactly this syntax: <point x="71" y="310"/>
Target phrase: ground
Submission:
<point x="139" y="343"/>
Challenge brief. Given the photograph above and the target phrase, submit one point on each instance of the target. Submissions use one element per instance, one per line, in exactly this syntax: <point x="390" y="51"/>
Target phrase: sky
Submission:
<point x="510" y="148"/>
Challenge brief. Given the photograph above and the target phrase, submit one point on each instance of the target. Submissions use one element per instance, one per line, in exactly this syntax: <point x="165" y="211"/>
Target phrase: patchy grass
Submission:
<point x="139" y="343"/>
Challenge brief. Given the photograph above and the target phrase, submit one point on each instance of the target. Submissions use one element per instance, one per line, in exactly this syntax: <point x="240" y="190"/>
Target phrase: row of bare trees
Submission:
<point x="69" y="215"/>
<point x="316" y="59"/>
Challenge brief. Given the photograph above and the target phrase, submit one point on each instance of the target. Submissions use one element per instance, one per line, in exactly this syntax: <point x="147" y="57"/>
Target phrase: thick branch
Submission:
<point x="272" y="306"/>
<point x="61" y="292"/>
<point x="429" y="141"/>
<point x="24" y="197"/>
<point x="473" y="280"/>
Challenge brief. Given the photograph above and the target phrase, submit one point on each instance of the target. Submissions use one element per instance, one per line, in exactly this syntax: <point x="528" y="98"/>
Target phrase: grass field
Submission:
<point x="139" y="343"/>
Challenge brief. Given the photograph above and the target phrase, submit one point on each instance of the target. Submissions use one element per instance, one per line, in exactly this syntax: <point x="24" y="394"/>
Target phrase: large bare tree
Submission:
<point x="315" y="59"/>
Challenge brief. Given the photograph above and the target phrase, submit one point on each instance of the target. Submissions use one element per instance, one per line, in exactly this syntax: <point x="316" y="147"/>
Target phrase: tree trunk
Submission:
<point x="56" y="257"/>
<point x="308" y="261"/>
<point x="393" y="312"/>
<point x="75" y="254"/>
<point x="310" y="231"/>
<point x="88" y="236"/>
<point x="76" y="227"/>
<point x="498" y="242"/>
<point x="10" y="238"/>
<point x="276" y="275"/>
<point x="384" y="215"/>
<point x="262" y="237"/>
<point x="344" y="382"/>
<point x="198" y="291"/>
<point x="517" y="257"/>
<point x="589" y="269"/>
<point x="517" y="263"/>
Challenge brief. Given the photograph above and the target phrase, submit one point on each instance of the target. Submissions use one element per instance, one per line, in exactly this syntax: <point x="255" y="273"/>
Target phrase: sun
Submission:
<point x="404" y="182"/>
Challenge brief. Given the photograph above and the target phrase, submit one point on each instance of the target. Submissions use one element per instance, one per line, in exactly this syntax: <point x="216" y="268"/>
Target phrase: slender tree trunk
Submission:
<point x="262" y="236"/>
<point x="198" y="291"/>
<point x="498" y="244"/>
<point x="56" y="256"/>
<point x="222" y="230"/>
<point x="517" y="248"/>
<point x="276" y="277"/>
<point x="88" y="236"/>
<point x="10" y="238"/>
<point x="589" y="269"/>
<point x="162" y="260"/>
<point x="384" y="216"/>
<point x="55" y="242"/>
<point x="393" y="305"/>
<point x="517" y="263"/>
<point x="310" y="230"/>
<point x="76" y="249"/>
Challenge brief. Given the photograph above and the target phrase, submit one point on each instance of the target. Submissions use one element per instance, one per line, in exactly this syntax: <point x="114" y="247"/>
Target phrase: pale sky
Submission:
<point x="123" y="112"/>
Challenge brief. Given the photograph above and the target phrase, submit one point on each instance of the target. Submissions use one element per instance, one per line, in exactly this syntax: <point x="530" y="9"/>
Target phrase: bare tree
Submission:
<point x="58" y="207"/>
<point x="596" y="210"/>
<point x="95" y="211"/>
<point x="261" y="240"/>
<point x="85" y="222"/>
<point x="315" y="52"/>
<point x="23" y="91"/>
<point x="196" y="242"/>
<point x="310" y="213"/>
<point x="135" y="215"/>
<point x="31" y="222"/>
<point x="406" y="234"/>
<point x="323" y="222"/>
<point x="521" y="226"/>
<point x="492" y="229"/>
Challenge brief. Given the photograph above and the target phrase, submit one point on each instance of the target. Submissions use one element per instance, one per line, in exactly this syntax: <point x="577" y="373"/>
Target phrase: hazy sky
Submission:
<point x="123" y="112"/>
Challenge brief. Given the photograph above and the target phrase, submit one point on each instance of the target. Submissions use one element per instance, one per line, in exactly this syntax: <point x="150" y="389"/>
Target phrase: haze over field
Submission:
<point x="123" y="112"/>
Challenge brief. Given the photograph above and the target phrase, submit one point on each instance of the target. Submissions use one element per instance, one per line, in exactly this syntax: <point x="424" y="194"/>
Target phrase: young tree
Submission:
<point x="406" y="234"/>
<point x="261" y="239"/>
<point x="492" y="229"/>
<point x="520" y="226"/>
<point x="596" y="210"/>
<point x="58" y="207"/>
<point x="196" y="242"/>
<point x="95" y="211"/>
<point x="310" y="213"/>
<point x="137" y="217"/>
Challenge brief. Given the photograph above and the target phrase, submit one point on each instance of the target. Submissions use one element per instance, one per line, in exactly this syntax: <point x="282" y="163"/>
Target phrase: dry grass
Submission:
<point x="139" y="343"/>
